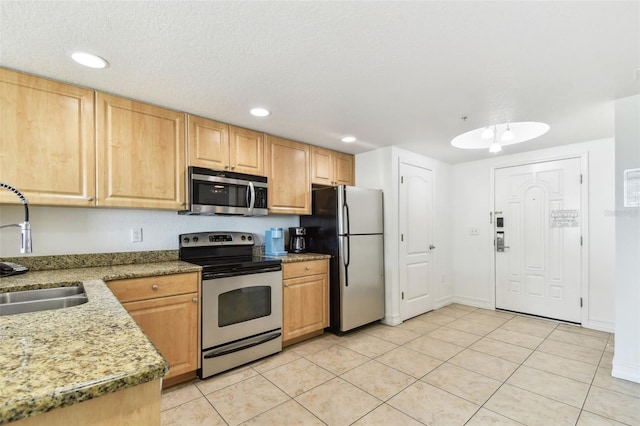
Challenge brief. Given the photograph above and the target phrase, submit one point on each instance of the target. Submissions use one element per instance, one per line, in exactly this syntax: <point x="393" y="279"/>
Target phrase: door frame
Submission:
<point x="584" y="222"/>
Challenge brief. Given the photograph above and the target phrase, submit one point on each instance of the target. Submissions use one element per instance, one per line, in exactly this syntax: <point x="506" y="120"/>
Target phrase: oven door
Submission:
<point x="239" y="307"/>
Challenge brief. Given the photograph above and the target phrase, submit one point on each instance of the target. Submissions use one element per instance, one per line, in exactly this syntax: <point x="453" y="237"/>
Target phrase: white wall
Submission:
<point x="626" y="361"/>
<point x="379" y="169"/>
<point x="472" y="264"/>
<point x="68" y="230"/>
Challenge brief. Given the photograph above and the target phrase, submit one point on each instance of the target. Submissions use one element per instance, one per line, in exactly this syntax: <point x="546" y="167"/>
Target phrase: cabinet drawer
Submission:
<point x="300" y="269"/>
<point x="149" y="287"/>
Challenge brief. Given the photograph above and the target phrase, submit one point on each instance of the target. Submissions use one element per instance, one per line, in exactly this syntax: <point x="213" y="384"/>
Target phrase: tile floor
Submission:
<point x="454" y="366"/>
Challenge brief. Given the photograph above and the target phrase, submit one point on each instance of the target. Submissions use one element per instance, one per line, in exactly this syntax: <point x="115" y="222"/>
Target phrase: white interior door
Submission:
<point x="416" y="240"/>
<point x="539" y="271"/>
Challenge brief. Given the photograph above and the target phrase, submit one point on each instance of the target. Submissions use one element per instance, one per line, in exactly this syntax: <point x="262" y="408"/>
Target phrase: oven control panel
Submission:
<point x="207" y="239"/>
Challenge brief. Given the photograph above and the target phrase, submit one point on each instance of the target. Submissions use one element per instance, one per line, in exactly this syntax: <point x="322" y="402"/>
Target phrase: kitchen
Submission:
<point x="463" y="278"/>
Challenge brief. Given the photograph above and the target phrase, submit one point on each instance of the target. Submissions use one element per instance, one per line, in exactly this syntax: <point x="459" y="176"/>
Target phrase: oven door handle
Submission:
<point x="240" y="346"/>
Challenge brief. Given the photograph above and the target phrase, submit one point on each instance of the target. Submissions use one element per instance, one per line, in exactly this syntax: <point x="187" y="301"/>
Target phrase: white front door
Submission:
<point x="416" y="240"/>
<point x="539" y="208"/>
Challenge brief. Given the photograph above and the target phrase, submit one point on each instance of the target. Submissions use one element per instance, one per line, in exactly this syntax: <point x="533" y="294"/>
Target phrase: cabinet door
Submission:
<point x="246" y="151"/>
<point x="47" y="141"/>
<point x="288" y="176"/>
<point x="305" y="305"/>
<point x="321" y="166"/>
<point x="208" y="143"/>
<point x="140" y="155"/>
<point x="344" y="169"/>
<point x="171" y="323"/>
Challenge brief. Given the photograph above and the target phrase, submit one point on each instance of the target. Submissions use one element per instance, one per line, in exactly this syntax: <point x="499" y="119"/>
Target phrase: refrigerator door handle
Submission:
<point x="346" y="258"/>
<point x="345" y="208"/>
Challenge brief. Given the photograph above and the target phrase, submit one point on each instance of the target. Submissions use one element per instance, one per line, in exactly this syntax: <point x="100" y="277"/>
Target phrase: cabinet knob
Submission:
<point x="226" y="166"/>
<point x="182" y="203"/>
<point x="89" y="198"/>
<point x="286" y="285"/>
<point x="154" y="287"/>
<point x="194" y="300"/>
<point x="306" y="268"/>
<point x="233" y="167"/>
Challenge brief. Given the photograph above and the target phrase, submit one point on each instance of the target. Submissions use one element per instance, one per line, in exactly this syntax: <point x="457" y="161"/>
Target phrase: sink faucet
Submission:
<point x="25" y="227"/>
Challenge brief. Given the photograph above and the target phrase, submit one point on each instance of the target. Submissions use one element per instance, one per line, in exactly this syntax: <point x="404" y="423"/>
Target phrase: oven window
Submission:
<point x="218" y="194"/>
<point x="244" y="304"/>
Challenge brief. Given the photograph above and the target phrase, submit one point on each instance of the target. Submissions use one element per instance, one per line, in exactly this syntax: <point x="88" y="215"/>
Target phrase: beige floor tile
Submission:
<point x="466" y="384"/>
<point x="434" y="347"/>
<point x="531" y="409"/>
<point x="223" y="380"/>
<point x="385" y="415"/>
<point x="194" y="413"/>
<point x="456" y="337"/>
<point x="396" y="335"/>
<point x="450" y="311"/>
<point x="298" y="376"/>
<point x="462" y="307"/>
<point x="515" y="338"/>
<point x="567" y="350"/>
<point x="578" y="339"/>
<point x="275" y="360"/>
<point x="378" y="379"/>
<point x="485" y="417"/>
<point x="607" y="360"/>
<point x="492" y="313"/>
<point x="436" y="318"/>
<point x="590" y="419"/>
<point x="338" y="402"/>
<point x="433" y="406"/>
<point x="482" y="317"/>
<point x="581" y="330"/>
<point x="562" y="389"/>
<point x="314" y="345"/>
<point x="472" y="325"/>
<point x="417" y="326"/>
<point x="408" y="361"/>
<point x="242" y="401"/>
<point x="487" y="365"/>
<point x="562" y="366"/>
<point x="613" y="405"/>
<point x="288" y="414"/>
<point x="604" y="379"/>
<point x="502" y="350"/>
<point x="177" y="395"/>
<point x="530" y="326"/>
<point x="367" y="345"/>
<point x="338" y="359"/>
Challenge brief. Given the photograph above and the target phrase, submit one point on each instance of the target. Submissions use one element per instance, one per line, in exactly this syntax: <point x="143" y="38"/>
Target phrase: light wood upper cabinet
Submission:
<point x="331" y="168"/>
<point x="219" y="146"/>
<point x="141" y="160"/>
<point x="288" y="176"/>
<point x="47" y="140"/>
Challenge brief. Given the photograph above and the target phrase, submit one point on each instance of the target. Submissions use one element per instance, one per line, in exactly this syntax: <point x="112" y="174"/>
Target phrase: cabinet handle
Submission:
<point x="194" y="300"/>
<point x="89" y="198"/>
<point x="154" y="287"/>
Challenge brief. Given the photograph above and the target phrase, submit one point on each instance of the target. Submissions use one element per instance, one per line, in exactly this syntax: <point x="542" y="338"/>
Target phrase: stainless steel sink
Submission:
<point x="20" y="302"/>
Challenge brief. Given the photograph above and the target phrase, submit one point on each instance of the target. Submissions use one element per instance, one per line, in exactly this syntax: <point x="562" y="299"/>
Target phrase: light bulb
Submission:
<point x="487" y="133"/>
<point x="495" y="147"/>
<point x="259" y="112"/>
<point x="507" y="135"/>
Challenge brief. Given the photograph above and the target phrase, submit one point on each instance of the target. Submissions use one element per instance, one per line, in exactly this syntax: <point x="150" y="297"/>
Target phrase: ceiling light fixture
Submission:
<point x="259" y="112"/>
<point x="348" y="139"/>
<point x="497" y="136"/>
<point x="89" y="60"/>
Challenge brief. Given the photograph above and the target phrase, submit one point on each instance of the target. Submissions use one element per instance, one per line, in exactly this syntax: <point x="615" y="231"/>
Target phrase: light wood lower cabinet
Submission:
<point x="166" y="308"/>
<point x="305" y="299"/>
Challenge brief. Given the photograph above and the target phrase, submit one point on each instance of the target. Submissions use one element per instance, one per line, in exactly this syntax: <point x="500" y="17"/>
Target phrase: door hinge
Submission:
<point x="401" y="179"/>
<point x="580" y="239"/>
<point x="401" y="237"/>
<point x="580" y="177"/>
<point x="403" y="295"/>
<point x="581" y="302"/>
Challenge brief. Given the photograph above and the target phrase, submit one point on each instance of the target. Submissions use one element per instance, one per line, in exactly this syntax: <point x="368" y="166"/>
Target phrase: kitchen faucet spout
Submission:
<point x="25" y="227"/>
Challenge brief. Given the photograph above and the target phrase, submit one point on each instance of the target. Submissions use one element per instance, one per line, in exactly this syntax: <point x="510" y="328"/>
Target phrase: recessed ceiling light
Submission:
<point x="89" y="60"/>
<point x="259" y="112"/>
<point x="348" y="139"/>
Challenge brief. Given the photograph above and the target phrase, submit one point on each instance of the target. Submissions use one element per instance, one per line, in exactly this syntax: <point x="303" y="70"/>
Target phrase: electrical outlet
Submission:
<point x="474" y="231"/>
<point x="136" y="235"/>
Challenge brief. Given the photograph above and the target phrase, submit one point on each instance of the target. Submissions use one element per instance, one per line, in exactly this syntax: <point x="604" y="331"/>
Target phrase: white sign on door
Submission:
<point x="564" y="218"/>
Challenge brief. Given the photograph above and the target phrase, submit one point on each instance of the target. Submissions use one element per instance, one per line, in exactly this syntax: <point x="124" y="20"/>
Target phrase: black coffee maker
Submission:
<point x="297" y="240"/>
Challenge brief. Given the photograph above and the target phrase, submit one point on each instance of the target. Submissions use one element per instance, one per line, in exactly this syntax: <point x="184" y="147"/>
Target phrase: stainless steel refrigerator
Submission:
<point x="347" y="224"/>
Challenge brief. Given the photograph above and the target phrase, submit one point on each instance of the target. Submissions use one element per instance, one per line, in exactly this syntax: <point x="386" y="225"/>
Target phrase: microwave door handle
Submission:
<point x="251" y="197"/>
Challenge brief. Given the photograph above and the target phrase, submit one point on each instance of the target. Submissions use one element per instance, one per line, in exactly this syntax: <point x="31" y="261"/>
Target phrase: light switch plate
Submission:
<point x="136" y="235"/>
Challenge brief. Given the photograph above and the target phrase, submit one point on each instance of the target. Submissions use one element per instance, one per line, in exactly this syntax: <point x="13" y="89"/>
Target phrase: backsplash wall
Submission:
<point x="68" y="230"/>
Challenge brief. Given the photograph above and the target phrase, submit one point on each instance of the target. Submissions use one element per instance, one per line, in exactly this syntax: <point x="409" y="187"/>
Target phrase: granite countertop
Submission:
<point x="51" y="359"/>
<point x="301" y="257"/>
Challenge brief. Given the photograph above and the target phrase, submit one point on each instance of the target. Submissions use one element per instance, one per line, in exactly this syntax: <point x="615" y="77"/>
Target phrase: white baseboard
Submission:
<point x="443" y="301"/>
<point x="605" y="326"/>
<point x="392" y="320"/>
<point x="626" y="370"/>
<point x="476" y="303"/>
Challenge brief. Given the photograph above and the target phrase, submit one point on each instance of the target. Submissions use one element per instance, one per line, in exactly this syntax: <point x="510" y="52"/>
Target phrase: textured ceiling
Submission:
<point x="389" y="73"/>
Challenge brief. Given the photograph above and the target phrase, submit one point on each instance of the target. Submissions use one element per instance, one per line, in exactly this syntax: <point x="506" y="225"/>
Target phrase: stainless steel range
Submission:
<point x="241" y="299"/>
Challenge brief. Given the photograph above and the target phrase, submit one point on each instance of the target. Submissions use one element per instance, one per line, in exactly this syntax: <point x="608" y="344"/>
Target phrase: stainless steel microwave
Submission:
<point x="214" y="192"/>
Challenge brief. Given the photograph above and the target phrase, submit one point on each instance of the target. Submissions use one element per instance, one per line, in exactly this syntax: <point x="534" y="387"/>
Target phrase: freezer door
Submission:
<point x="360" y="211"/>
<point x="361" y="280"/>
